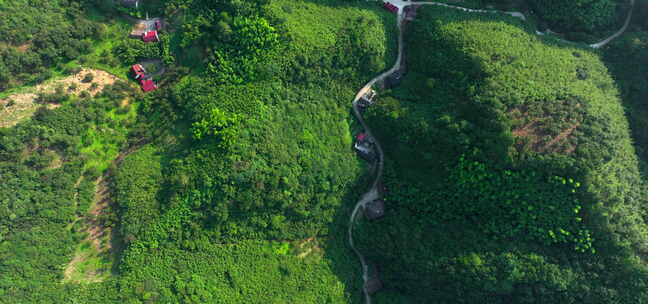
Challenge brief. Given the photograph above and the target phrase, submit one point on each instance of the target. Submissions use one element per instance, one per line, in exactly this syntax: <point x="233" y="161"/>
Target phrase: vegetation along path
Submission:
<point x="372" y="193"/>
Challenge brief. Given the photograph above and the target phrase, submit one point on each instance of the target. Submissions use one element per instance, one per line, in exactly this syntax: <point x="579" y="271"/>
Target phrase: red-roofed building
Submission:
<point x="138" y="71"/>
<point x="361" y="137"/>
<point x="148" y="85"/>
<point x="150" y="36"/>
<point x="390" y="7"/>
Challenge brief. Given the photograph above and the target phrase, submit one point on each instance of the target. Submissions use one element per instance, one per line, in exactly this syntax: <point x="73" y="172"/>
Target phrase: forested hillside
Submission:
<point x="510" y="173"/>
<point x="237" y="177"/>
<point x="511" y="169"/>
<point x="38" y="35"/>
<point x="627" y="59"/>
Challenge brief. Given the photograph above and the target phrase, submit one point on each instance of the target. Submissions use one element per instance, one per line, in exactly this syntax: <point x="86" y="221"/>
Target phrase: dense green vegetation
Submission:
<point x="510" y="172"/>
<point x="576" y="15"/>
<point x="42" y="162"/>
<point x="511" y="178"/>
<point x="37" y="35"/>
<point x="258" y="158"/>
<point x="243" y="189"/>
<point x="627" y="59"/>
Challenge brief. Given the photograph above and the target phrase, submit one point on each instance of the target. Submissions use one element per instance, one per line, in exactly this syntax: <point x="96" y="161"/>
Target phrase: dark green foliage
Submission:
<point x="628" y="59"/>
<point x="576" y="15"/>
<point x="510" y="174"/>
<point x="38" y="35"/>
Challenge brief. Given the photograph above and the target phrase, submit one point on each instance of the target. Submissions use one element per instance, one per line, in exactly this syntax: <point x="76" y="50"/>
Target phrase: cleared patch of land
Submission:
<point x="20" y="106"/>
<point x="93" y="258"/>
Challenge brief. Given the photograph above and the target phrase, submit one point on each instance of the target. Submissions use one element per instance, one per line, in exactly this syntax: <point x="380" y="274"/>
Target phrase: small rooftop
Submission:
<point x="150" y="36"/>
<point x="148" y="85"/>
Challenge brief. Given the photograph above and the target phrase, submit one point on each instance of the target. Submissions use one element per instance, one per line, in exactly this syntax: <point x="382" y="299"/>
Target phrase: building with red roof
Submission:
<point x="147" y="85"/>
<point x="361" y="137"/>
<point x="150" y="36"/>
<point x="390" y="7"/>
<point x="138" y="71"/>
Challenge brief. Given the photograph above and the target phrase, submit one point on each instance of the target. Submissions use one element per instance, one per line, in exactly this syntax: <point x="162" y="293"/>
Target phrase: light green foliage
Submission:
<point x="38" y="203"/>
<point x="137" y="184"/>
<point x="130" y="51"/>
<point x="219" y="125"/>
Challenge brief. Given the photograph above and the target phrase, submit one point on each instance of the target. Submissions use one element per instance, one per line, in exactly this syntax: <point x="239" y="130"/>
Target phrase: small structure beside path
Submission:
<point x="373" y="283"/>
<point x="150" y="36"/>
<point x="375" y="209"/>
<point x="364" y="147"/>
<point x="138" y="71"/>
<point x="141" y="27"/>
<point x="146" y="83"/>
<point x="367" y="99"/>
<point x="390" y="7"/>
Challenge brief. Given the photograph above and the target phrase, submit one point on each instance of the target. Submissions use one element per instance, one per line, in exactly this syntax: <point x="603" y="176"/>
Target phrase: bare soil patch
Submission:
<point x="307" y="247"/>
<point x="18" y="107"/>
<point x="102" y="241"/>
<point x="548" y="127"/>
<point x="24" y="47"/>
<point x="98" y="238"/>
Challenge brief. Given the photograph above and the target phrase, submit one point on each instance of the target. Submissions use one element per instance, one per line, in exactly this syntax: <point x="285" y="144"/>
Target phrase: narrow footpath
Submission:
<point x="373" y="194"/>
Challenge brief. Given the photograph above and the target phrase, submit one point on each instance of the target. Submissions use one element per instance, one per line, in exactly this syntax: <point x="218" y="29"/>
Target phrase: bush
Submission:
<point x="72" y="70"/>
<point x="88" y="78"/>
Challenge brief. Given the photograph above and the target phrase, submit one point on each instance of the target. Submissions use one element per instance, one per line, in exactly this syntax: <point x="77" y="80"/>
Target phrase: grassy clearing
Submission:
<point x="102" y="143"/>
<point x="89" y="265"/>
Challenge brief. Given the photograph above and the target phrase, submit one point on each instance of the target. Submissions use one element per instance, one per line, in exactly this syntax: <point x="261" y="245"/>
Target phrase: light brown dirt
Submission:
<point x="307" y="247"/>
<point x="139" y="29"/>
<point x="24" y="47"/>
<point x="563" y="135"/>
<point x="25" y="106"/>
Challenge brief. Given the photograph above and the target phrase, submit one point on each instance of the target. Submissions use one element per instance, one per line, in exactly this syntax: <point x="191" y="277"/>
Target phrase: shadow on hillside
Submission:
<point x="413" y="249"/>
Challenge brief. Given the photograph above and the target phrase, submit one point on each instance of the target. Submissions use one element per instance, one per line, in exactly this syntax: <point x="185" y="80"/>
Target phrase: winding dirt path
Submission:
<point x="523" y="17"/>
<point x="619" y="32"/>
<point x="373" y="193"/>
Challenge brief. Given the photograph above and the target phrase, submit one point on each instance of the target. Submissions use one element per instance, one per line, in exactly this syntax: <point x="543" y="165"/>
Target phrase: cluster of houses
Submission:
<point x="139" y="74"/>
<point x="365" y="147"/>
<point x="364" y="144"/>
<point x="148" y="31"/>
